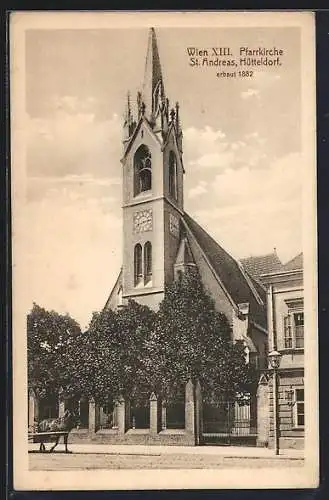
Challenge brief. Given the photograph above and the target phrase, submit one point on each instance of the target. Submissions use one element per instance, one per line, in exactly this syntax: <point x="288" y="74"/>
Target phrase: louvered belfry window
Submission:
<point x="142" y="170"/>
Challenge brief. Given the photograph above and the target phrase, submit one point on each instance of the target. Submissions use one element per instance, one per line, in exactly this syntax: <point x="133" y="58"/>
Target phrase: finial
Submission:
<point x="172" y="114"/>
<point x="167" y="108"/>
<point x="177" y="115"/>
<point x="139" y="101"/>
<point x="129" y="116"/>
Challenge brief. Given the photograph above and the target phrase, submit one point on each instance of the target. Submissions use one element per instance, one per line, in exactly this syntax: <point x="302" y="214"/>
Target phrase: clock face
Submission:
<point x="143" y="221"/>
<point x="174" y="225"/>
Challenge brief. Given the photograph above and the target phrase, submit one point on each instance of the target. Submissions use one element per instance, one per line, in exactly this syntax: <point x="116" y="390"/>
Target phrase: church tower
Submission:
<point x="152" y="187"/>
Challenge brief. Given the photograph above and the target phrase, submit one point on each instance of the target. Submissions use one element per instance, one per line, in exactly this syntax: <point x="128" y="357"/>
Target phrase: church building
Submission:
<point x="160" y="240"/>
<point x="159" y="237"/>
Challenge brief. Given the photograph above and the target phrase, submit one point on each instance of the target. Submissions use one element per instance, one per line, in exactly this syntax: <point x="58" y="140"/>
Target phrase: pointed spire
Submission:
<point x="153" y="88"/>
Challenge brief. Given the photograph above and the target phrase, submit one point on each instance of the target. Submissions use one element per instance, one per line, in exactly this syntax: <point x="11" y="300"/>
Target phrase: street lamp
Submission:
<point x="275" y="359"/>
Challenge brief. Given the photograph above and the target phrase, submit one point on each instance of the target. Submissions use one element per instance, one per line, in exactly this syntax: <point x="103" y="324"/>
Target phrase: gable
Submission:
<point x="113" y="300"/>
<point x="143" y="128"/>
<point x="171" y="142"/>
<point x="294" y="264"/>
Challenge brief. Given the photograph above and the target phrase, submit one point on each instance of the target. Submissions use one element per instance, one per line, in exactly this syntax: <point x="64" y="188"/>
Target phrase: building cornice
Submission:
<point x="141" y="292"/>
<point x="142" y="201"/>
<point x="281" y="276"/>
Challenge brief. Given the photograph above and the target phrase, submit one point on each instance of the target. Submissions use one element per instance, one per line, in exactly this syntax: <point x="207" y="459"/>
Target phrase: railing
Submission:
<point x="229" y="419"/>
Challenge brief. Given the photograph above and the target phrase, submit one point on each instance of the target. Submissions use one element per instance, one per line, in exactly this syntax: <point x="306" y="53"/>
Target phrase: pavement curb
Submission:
<point x="176" y="452"/>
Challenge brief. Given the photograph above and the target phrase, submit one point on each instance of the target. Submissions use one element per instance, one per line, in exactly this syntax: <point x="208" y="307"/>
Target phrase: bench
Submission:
<point x="49" y="437"/>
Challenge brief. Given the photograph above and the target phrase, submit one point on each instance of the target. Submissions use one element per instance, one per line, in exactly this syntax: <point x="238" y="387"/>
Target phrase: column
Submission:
<point x="276" y="414"/>
<point x="93" y="420"/>
<point x="189" y="407"/>
<point x="163" y="416"/>
<point x="263" y="415"/>
<point x="153" y="414"/>
<point x="101" y="417"/>
<point x="120" y="405"/>
<point x="198" y="413"/>
<point x="61" y="407"/>
<point x="33" y="409"/>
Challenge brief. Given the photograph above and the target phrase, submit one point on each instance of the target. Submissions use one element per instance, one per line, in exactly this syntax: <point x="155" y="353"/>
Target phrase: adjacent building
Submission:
<point x="257" y="265"/>
<point x="285" y="315"/>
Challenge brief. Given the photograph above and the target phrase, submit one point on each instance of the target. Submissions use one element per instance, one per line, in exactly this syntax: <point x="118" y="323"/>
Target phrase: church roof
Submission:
<point x="295" y="263"/>
<point x="262" y="264"/>
<point x="240" y="287"/>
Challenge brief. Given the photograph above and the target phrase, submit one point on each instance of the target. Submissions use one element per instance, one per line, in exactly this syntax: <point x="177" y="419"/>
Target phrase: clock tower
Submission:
<point x="152" y="187"/>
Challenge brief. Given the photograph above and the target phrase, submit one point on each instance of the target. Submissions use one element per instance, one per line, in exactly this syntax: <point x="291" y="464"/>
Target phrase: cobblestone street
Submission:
<point x="61" y="461"/>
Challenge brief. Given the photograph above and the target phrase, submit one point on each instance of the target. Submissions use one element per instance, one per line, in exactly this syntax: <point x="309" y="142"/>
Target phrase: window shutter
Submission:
<point x="287" y="332"/>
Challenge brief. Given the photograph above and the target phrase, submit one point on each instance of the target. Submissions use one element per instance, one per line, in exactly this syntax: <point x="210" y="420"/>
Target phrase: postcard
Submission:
<point x="163" y="192"/>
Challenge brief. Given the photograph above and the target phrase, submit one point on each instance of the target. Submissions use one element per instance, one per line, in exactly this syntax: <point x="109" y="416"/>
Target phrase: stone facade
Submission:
<point x="286" y="335"/>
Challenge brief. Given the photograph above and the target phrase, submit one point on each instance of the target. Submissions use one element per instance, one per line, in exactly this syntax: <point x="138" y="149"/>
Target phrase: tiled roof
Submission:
<point x="295" y="263"/>
<point x="229" y="272"/>
<point x="263" y="264"/>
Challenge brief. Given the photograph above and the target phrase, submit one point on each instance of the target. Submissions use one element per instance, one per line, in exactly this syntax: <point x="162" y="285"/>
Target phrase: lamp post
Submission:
<point x="275" y="359"/>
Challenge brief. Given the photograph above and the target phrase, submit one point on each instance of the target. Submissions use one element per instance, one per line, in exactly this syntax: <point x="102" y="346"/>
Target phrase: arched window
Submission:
<point x="138" y="264"/>
<point x="147" y="262"/>
<point x="142" y="170"/>
<point x="172" y="175"/>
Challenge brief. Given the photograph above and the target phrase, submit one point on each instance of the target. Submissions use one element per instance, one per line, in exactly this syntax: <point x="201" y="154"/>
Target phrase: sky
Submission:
<point x="241" y="152"/>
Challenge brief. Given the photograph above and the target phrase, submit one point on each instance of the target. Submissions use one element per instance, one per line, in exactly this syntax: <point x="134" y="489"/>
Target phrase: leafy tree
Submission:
<point x="134" y="351"/>
<point x="112" y="355"/>
<point x="194" y="341"/>
<point x="50" y="337"/>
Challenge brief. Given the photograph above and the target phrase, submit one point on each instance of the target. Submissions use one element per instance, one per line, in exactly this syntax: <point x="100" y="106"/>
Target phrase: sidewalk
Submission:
<point x="224" y="451"/>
